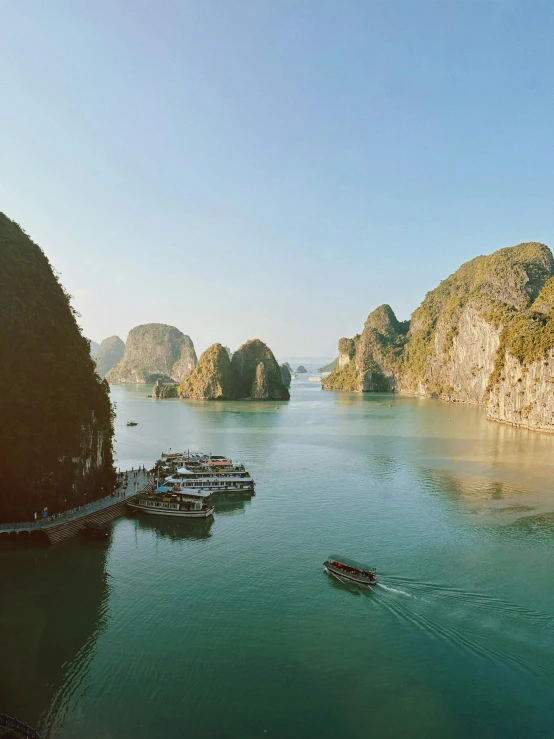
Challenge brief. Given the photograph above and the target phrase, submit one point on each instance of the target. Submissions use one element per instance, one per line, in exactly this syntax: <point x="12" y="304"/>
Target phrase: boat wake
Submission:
<point x="395" y="590"/>
<point x="450" y="614"/>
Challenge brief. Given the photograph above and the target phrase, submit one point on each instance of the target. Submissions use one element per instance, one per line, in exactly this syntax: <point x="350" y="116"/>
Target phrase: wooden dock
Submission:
<point x="22" y="728"/>
<point x="67" y="525"/>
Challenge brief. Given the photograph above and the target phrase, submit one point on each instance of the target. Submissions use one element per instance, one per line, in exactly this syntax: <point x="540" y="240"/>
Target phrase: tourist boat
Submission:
<point x="226" y="480"/>
<point x="177" y="459"/>
<point x="132" y="423"/>
<point x="314" y="378"/>
<point x="350" y="572"/>
<point x="94" y="530"/>
<point x="173" y="500"/>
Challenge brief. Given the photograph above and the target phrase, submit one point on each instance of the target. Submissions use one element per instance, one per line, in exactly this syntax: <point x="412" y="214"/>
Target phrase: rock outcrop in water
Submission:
<point x="301" y="370"/>
<point x="211" y="378"/>
<point x="252" y="374"/>
<point x="154" y="351"/>
<point x="163" y="390"/>
<point x="109" y="353"/>
<point x="285" y="375"/>
<point x="255" y="373"/>
<point x="484" y="335"/>
<point x="56" y="425"/>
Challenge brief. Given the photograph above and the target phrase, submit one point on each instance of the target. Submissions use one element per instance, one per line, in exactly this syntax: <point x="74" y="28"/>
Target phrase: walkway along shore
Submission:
<point x="66" y="525"/>
<point x="9" y="722"/>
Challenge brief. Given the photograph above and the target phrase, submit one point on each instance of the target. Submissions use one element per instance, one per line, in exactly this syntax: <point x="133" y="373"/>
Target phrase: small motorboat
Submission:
<point x="94" y="530"/>
<point x="349" y="571"/>
<point x="132" y="423"/>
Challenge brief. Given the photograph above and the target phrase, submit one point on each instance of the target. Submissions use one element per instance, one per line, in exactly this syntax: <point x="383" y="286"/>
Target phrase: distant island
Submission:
<point x="56" y="431"/>
<point x="109" y="353"/>
<point x="286" y="374"/>
<point x="329" y="367"/>
<point x="252" y="374"/>
<point x="154" y="351"/>
<point x="301" y="370"/>
<point x="485" y="335"/>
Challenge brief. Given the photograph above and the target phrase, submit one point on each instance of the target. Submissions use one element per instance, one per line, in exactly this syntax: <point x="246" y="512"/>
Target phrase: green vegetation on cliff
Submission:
<point x="342" y="379"/>
<point x="211" y="378"/>
<point x="56" y="430"/>
<point x="371" y="360"/>
<point x="498" y="286"/>
<point x="256" y="374"/>
<point x="456" y="344"/>
<point x="253" y="373"/>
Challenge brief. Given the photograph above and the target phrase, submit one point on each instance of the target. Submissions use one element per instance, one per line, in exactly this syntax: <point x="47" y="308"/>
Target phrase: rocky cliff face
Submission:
<point x="109" y="353"/>
<point x="56" y="430"/>
<point x="253" y="373"/>
<point x="485" y="335"/>
<point x="256" y="374"/>
<point x="211" y="378"/>
<point x="93" y="348"/>
<point x="285" y="375"/>
<point x="369" y="361"/>
<point x="152" y="351"/>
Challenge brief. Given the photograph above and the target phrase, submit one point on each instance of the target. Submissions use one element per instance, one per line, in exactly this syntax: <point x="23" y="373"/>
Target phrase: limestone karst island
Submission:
<point x="485" y="335"/>
<point x="277" y="370"/>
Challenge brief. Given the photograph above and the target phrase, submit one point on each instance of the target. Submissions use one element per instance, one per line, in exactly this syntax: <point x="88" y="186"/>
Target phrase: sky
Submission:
<point x="272" y="169"/>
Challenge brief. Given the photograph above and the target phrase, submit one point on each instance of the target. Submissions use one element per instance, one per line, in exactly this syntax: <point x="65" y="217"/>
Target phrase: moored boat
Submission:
<point x="350" y="572"/>
<point x="132" y="423"/>
<point x="173" y="500"/>
<point x="198" y="478"/>
<point x="207" y="472"/>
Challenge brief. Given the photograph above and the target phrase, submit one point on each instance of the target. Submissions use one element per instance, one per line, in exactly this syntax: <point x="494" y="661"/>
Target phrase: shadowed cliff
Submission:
<point x="56" y="430"/>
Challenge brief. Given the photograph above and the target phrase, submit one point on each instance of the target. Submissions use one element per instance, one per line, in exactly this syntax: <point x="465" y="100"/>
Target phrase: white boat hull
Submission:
<point x="174" y="514"/>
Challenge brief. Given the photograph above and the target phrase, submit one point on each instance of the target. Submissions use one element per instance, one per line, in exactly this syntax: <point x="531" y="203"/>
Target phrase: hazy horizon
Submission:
<point x="273" y="170"/>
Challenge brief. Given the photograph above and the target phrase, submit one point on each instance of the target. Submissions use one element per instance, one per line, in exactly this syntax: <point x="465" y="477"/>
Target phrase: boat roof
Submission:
<point x="349" y="562"/>
<point x="167" y="490"/>
<point x="184" y="471"/>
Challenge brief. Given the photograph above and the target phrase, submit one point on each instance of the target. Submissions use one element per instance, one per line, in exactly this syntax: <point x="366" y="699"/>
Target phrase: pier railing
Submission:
<point x="12" y="723"/>
<point x="80" y="511"/>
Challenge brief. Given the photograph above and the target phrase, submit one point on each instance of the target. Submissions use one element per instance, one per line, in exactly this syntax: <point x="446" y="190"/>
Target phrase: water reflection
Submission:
<point x="540" y="526"/>
<point x="54" y="614"/>
<point x="232" y="504"/>
<point x="176" y="529"/>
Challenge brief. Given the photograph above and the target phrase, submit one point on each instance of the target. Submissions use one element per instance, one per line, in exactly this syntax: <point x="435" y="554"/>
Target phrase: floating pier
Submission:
<point x="60" y="527"/>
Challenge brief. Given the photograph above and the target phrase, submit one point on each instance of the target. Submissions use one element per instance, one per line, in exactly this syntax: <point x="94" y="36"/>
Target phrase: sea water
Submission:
<point x="231" y="627"/>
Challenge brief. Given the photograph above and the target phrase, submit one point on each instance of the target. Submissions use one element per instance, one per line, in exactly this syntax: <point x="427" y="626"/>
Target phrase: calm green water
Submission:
<point x="231" y="628"/>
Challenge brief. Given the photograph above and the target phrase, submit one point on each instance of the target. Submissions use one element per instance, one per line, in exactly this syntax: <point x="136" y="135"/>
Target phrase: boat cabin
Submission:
<point x="174" y="498"/>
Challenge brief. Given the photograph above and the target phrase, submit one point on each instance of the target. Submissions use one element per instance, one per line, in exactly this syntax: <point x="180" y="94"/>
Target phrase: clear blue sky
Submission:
<point x="272" y="169"/>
